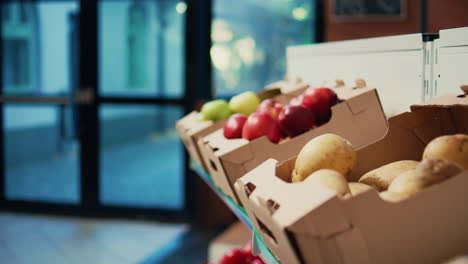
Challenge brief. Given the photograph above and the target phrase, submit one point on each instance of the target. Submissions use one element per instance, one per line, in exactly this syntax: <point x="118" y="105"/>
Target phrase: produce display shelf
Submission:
<point x="240" y="212"/>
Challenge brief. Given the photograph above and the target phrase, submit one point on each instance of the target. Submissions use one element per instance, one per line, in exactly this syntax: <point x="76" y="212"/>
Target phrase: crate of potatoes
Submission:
<point x="401" y="199"/>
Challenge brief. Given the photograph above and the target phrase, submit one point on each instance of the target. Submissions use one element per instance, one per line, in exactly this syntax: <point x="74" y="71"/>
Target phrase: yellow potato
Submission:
<point x="357" y="188"/>
<point x="293" y="176"/>
<point x="407" y="183"/>
<point x="381" y="177"/>
<point x="453" y="148"/>
<point x="393" y="197"/>
<point x="331" y="179"/>
<point x="327" y="151"/>
<point x="427" y="173"/>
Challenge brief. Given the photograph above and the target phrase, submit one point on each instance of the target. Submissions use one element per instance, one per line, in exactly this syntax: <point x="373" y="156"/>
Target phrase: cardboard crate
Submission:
<point x="306" y="223"/>
<point x="359" y="118"/>
<point x="191" y="129"/>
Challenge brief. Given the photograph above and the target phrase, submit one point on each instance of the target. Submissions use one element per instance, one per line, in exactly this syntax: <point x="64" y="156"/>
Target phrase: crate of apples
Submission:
<point x="213" y="115"/>
<point x="277" y="121"/>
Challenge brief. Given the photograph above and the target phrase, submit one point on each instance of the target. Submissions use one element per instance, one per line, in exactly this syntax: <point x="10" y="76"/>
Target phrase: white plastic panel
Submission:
<point x="451" y="68"/>
<point x="393" y="65"/>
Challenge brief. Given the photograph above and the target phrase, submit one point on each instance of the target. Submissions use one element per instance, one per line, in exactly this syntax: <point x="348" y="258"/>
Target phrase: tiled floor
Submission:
<point x="27" y="239"/>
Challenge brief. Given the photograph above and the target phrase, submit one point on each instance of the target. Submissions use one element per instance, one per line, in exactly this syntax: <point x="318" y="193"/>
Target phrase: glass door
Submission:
<point x="90" y="94"/>
<point x="141" y="91"/>
<point x="41" y="160"/>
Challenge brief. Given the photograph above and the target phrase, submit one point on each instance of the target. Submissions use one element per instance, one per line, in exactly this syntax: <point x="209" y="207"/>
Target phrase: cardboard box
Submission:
<point x="358" y="118"/>
<point x="306" y="223"/>
<point x="190" y="129"/>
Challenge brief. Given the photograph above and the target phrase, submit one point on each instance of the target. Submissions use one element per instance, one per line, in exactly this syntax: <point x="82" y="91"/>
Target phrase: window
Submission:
<point x="136" y="46"/>
<point x="41" y="151"/>
<point x="250" y="38"/>
<point x="141" y="165"/>
<point x="141" y="48"/>
<point x="20" y="46"/>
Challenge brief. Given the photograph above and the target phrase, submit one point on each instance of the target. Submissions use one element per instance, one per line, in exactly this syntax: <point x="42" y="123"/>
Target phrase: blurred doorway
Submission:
<point x="88" y="107"/>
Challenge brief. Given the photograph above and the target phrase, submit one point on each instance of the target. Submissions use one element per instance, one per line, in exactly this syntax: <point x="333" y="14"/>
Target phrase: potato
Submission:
<point x="357" y="188"/>
<point x="453" y="148"/>
<point x="427" y="173"/>
<point x="432" y="171"/>
<point x="393" y="197"/>
<point x="331" y="179"/>
<point x="407" y="183"/>
<point x="327" y="151"/>
<point x="293" y="175"/>
<point x="381" y="177"/>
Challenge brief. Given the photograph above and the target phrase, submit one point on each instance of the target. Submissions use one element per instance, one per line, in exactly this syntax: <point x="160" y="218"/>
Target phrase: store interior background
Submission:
<point x="142" y="54"/>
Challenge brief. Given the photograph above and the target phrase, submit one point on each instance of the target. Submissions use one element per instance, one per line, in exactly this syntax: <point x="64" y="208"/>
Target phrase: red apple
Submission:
<point x="271" y="107"/>
<point x="297" y="100"/>
<point x="234" y="256"/>
<point x="319" y="101"/>
<point x="296" y="119"/>
<point x="247" y="248"/>
<point x="261" y="124"/>
<point x="257" y="261"/>
<point x="233" y="126"/>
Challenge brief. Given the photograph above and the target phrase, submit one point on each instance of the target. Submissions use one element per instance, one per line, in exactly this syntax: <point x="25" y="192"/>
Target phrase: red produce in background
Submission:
<point x="234" y="256"/>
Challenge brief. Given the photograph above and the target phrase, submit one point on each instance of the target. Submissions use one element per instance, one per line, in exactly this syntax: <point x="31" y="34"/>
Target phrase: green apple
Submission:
<point x="245" y="103"/>
<point x="215" y="110"/>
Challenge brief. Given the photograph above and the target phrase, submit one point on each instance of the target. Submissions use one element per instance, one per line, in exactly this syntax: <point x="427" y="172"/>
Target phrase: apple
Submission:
<point x="215" y="110"/>
<point x="257" y="261"/>
<point x="261" y="124"/>
<point x="296" y="119"/>
<point x="247" y="248"/>
<point x="233" y="126"/>
<point x="233" y="256"/>
<point x="271" y="107"/>
<point x="297" y="100"/>
<point x="245" y="103"/>
<point x="319" y="101"/>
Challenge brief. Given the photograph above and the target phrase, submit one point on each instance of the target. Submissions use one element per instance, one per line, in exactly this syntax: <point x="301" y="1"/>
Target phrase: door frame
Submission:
<point x="89" y="102"/>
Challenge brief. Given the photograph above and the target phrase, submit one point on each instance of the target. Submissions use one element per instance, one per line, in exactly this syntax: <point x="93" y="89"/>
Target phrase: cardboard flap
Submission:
<point x="358" y="104"/>
<point x="464" y="89"/>
<point x="345" y="93"/>
<point x="446" y="100"/>
<point x="220" y="145"/>
<point x="191" y="124"/>
<point x="352" y="247"/>
<point x="287" y="86"/>
<point x="292" y="200"/>
<point x="286" y="97"/>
